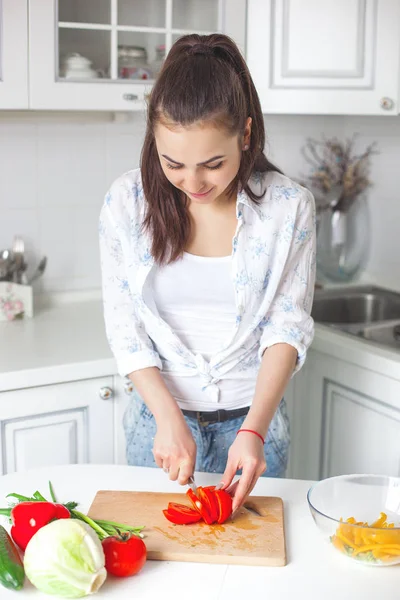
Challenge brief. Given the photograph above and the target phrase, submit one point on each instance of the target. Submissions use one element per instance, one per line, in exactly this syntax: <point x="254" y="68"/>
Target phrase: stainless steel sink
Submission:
<point x="362" y="304"/>
<point x="387" y="334"/>
<point x="366" y="311"/>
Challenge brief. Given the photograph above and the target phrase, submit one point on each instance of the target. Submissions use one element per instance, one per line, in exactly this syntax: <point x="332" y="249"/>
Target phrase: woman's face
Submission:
<point x="200" y="160"/>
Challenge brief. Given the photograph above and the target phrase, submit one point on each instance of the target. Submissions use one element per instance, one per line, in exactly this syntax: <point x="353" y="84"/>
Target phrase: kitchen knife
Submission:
<point x="192" y="485"/>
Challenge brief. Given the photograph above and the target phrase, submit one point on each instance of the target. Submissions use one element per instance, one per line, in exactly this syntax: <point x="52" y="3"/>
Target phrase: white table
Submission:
<point x="314" y="570"/>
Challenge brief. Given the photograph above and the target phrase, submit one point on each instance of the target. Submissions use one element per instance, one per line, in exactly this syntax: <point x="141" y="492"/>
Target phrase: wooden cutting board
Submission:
<point x="247" y="539"/>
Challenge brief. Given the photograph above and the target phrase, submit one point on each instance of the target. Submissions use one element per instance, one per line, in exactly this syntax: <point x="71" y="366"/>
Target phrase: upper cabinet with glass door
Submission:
<point x="13" y="54"/>
<point x="105" y="54"/>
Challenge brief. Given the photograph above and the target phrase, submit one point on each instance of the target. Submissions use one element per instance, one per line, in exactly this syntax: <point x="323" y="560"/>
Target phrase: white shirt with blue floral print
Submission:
<point x="273" y="271"/>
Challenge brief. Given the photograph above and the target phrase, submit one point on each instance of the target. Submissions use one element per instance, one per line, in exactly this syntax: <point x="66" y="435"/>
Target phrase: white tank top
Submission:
<point x="195" y="296"/>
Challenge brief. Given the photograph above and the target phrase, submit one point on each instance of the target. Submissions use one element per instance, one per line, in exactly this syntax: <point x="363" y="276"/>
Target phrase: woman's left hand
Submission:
<point x="246" y="453"/>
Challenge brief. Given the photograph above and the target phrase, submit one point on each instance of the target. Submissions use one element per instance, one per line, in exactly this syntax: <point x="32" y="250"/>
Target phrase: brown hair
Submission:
<point x="204" y="78"/>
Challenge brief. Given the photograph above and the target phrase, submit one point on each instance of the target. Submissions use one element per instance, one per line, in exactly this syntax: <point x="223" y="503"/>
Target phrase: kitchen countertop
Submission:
<point x="67" y="342"/>
<point x="60" y="343"/>
<point x="314" y="569"/>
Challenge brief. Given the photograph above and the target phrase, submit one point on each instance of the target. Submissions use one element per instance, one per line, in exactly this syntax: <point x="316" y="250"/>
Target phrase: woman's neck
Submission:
<point x="212" y="228"/>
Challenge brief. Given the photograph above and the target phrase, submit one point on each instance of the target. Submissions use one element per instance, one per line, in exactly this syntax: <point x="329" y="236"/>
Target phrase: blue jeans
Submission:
<point x="212" y="440"/>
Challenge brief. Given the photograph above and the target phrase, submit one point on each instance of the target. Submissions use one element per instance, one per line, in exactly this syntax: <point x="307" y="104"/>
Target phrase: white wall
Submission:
<point x="55" y="169"/>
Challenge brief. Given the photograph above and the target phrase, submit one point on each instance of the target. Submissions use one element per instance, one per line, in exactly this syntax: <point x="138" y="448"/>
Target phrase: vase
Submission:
<point x="343" y="239"/>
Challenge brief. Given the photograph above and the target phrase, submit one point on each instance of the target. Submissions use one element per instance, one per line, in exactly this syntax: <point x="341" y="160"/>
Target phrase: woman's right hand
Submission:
<point x="174" y="449"/>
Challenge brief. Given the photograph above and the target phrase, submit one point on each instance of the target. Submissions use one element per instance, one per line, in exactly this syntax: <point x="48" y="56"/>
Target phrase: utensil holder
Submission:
<point x="16" y="301"/>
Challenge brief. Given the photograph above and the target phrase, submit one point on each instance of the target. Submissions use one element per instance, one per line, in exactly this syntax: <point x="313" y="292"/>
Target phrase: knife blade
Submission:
<point x="192" y="484"/>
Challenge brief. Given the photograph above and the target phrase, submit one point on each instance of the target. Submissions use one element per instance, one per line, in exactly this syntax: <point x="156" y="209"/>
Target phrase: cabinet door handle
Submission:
<point x="386" y="103"/>
<point x="130" y="97"/>
<point x="106" y="393"/>
<point x="128" y="388"/>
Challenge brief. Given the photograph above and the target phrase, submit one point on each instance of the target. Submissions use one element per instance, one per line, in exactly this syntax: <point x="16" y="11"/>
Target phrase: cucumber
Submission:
<point x="12" y="574"/>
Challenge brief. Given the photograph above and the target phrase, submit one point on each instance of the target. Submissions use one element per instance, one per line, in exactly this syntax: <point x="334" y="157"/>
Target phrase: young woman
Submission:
<point x="208" y="255"/>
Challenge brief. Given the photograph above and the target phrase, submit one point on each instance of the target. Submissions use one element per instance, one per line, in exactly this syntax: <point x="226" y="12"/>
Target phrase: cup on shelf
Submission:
<point x="77" y="66"/>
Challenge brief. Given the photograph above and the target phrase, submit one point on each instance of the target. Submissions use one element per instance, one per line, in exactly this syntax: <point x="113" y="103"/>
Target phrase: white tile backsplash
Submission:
<point x="71" y="166"/>
<point x="18" y="167"/>
<point x="55" y="169"/>
<point x="23" y="222"/>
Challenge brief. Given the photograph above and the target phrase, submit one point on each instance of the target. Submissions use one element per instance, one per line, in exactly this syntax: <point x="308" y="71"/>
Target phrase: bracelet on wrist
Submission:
<point x="252" y="431"/>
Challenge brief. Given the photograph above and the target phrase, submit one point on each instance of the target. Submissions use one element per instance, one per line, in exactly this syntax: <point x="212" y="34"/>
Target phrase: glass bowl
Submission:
<point x="359" y="515"/>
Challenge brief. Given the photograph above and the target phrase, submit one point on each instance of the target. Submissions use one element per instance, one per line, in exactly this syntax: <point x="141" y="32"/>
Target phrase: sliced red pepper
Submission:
<point x="207" y="497"/>
<point x="224" y="501"/>
<point x="28" y="517"/>
<point x="174" y="507"/>
<point x="199" y="506"/>
<point x="182" y="517"/>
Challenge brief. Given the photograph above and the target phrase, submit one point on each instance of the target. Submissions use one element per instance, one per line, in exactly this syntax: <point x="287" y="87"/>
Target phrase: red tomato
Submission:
<point x="125" y="555"/>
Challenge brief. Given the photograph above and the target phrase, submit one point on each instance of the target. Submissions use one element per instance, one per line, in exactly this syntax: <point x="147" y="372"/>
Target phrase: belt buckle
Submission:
<point x="201" y="421"/>
<point x="200" y="418"/>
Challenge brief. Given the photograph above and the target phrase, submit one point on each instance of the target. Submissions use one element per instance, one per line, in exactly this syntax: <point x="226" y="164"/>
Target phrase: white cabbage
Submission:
<point x="65" y="558"/>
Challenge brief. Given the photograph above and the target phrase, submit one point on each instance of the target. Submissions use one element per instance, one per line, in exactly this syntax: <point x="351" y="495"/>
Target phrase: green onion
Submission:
<point x="100" y="526"/>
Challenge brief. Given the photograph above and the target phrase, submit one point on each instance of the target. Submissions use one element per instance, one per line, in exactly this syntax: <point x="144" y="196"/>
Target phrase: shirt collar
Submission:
<point x="243" y="199"/>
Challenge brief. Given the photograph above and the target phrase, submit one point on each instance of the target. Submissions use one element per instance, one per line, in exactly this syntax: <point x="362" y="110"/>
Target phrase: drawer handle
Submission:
<point x="128" y="388"/>
<point x="106" y="393"/>
<point x="130" y="97"/>
<point x="387" y="103"/>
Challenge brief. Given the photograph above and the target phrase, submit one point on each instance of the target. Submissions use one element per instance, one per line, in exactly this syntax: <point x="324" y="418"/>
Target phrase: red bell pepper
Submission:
<point x="200" y="506"/>
<point x="224" y="501"/>
<point x="174" y="507"/>
<point x="207" y="497"/>
<point x="180" y="514"/>
<point x="209" y="504"/>
<point x="28" y="517"/>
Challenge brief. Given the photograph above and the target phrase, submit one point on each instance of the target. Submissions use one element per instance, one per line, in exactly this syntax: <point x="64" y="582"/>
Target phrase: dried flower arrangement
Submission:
<point x="338" y="174"/>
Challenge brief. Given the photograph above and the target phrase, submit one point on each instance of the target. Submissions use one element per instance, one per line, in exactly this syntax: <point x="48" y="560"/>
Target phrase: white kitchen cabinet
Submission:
<point x="346" y="420"/>
<point x="125" y="40"/>
<point x="59" y="424"/>
<point x="330" y="57"/>
<point x="13" y="54"/>
<point x="123" y="391"/>
<point x="290" y="398"/>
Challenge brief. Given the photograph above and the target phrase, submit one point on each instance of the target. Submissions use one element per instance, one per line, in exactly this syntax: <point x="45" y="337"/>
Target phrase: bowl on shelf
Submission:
<point x="359" y="515"/>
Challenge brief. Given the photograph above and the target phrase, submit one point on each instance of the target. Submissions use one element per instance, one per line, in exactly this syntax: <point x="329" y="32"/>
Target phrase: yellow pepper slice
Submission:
<point x="377" y="539"/>
<point x="383" y="548"/>
<point x="345" y="540"/>
<point x="380" y="522"/>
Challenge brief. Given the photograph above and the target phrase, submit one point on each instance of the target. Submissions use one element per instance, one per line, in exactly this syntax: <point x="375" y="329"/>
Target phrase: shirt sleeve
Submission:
<point x="128" y="340"/>
<point x="288" y="319"/>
